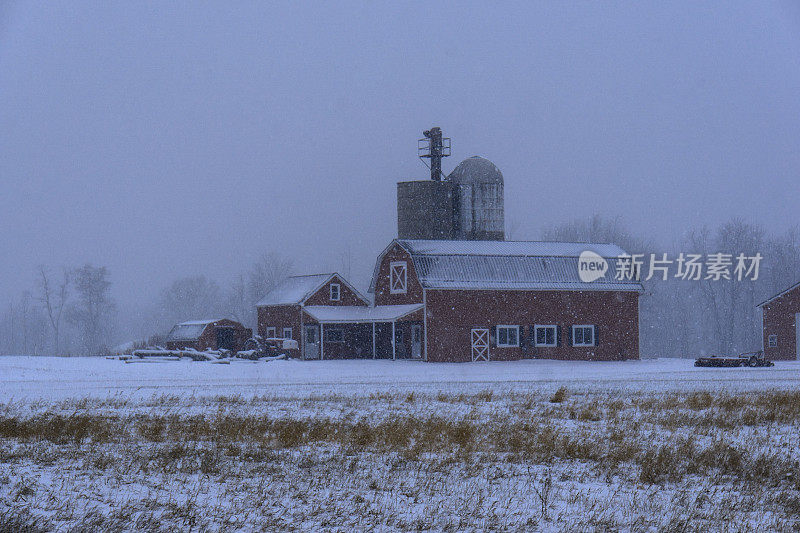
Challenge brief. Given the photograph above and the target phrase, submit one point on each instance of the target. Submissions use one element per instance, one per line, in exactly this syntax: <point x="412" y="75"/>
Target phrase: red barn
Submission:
<point x="464" y="301"/>
<point x="781" y="325"/>
<point x="212" y="334"/>
<point x="503" y="300"/>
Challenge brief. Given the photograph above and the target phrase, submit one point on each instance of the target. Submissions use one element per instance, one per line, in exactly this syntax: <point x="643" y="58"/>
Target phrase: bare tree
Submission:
<point x="23" y="327"/>
<point x="53" y="297"/>
<point x="248" y="288"/>
<point x="346" y="261"/>
<point x="92" y="312"/>
<point x="189" y="298"/>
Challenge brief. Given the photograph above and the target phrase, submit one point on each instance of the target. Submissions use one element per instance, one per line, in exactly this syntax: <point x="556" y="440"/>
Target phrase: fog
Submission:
<point x="168" y="140"/>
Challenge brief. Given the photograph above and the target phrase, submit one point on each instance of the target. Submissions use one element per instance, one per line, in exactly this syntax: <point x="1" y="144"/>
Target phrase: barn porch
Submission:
<point x="360" y="332"/>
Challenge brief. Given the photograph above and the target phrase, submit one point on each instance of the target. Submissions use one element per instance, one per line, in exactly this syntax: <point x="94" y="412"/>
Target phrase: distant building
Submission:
<point x="781" y="325"/>
<point x="211" y="334"/>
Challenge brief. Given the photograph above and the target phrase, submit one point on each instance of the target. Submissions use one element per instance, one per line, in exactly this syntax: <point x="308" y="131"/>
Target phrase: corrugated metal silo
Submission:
<point x="480" y="211"/>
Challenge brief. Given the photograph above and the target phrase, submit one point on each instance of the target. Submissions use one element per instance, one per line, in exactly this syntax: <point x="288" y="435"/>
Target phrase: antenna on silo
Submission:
<point x="434" y="147"/>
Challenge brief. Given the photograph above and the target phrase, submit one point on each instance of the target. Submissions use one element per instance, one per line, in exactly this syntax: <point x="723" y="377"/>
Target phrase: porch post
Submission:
<point x="302" y="337"/>
<point x="374" y="353"/>
<point x="394" y="348"/>
<point x="321" y="341"/>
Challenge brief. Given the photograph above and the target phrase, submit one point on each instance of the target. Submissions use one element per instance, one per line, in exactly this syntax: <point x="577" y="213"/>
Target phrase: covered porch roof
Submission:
<point x="342" y="314"/>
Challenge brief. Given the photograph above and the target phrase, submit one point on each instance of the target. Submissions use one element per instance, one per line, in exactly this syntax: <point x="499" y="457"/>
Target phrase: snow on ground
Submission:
<point x="27" y="377"/>
<point x="653" y="445"/>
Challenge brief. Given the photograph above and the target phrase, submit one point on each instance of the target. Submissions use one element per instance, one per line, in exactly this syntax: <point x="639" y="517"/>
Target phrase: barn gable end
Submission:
<point x="780" y="325"/>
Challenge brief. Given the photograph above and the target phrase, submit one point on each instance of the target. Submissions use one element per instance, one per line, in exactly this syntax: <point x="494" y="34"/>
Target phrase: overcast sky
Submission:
<point x="169" y="139"/>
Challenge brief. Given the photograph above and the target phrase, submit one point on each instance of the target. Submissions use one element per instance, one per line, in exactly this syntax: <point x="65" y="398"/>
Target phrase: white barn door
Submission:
<point x="312" y="342"/>
<point x="480" y="344"/>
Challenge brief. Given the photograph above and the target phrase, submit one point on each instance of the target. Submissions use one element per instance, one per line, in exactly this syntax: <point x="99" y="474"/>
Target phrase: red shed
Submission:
<point x="781" y="325"/>
<point x="212" y="334"/>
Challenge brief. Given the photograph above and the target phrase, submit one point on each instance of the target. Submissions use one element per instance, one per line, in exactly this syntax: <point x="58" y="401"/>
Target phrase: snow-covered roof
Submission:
<point x="190" y="330"/>
<point x="351" y="314"/>
<point x="773" y="298"/>
<point x="508" y="248"/>
<point x="476" y="169"/>
<point x="294" y="289"/>
<point x="510" y="265"/>
<point x="204" y="322"/>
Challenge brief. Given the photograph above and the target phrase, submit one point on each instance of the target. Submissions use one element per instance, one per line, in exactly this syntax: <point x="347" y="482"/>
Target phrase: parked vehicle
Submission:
<point x="271" y="347"/>
<point x="751" y="359"/>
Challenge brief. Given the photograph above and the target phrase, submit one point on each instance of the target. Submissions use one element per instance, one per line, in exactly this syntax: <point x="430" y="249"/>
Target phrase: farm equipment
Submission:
<point x="751" y="359"/>
<point x="255" y="349"/>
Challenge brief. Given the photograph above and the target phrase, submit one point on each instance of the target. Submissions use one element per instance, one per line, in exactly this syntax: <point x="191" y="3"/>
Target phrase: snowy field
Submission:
<point x="55" y="378"/>
<point x="654" y="445"/>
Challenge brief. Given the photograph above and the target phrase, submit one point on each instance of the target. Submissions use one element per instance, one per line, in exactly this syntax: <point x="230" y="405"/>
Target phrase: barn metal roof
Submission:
<point x="508" y="248"/>
<point x="355" y="314"/>
<point x="509" y="265"/>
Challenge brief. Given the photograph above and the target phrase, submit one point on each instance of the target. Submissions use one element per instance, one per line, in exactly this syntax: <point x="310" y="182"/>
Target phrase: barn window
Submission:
<point x="398" y="277"/>
<point x="773" y="341"/>
<point x="334" y="335"/>
<point x="507" y="336"/>
<point x="546" y="335"/>
<point x="287" y="333"/>
<point x="583" y="335"/>
<point x="270" y="333"/>
<point x="336" y="291"/>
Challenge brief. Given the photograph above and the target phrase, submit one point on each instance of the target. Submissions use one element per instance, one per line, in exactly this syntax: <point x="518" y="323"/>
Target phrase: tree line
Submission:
<point x="687" y="318"/>
<point x="72" y="312"/>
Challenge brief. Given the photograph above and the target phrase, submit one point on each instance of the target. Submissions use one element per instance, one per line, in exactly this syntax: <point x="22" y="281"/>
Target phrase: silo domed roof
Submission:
<point x="476" y="169"/>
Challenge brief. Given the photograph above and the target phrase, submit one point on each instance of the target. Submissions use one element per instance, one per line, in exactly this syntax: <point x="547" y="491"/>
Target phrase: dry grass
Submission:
<point x="482" y="460"/>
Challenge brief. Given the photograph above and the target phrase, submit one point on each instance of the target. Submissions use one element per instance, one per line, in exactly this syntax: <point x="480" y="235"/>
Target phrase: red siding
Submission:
<point x="347" y="296"/>
<point x="779" y="319"/>
<point x="452" y="314"/>
<point x="383" y="295"/>
<point x="279" y="316"/>
<point x="208" y="339"/>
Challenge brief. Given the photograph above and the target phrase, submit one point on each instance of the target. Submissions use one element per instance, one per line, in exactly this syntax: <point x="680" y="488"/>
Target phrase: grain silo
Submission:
<point x="466" y="205"/>
<point x="479" y="187"/>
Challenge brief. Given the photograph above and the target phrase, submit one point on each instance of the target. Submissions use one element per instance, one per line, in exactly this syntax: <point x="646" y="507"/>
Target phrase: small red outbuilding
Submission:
<point x="781" y="325"/>
<point x="211" y="334"/>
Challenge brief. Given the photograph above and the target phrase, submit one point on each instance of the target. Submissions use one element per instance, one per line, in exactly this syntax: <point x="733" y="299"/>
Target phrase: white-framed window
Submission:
<point x="287" y="333"/>
<point x="507" y="336"/>
<point x="584" y="335"/>
<point x="546" y="335"/>
<point x="336" y="292"/>
<point x="772" y="341"/>
<point x="334" y="335"/>
<point x="270" y="332"/>
<point x="398" y="277"/>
